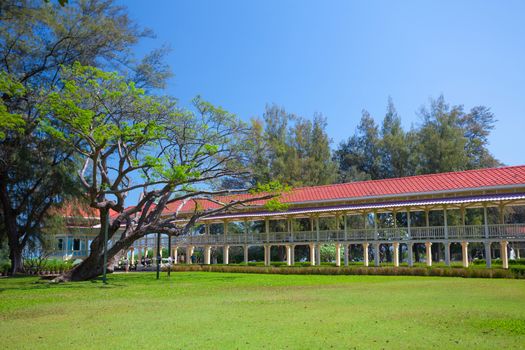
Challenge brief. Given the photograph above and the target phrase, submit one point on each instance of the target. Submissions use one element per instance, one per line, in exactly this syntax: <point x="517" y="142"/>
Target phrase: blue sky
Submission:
<point x="339" y="57"/>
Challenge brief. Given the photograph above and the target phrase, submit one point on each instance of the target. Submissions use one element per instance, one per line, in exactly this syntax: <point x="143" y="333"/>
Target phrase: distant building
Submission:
<point x="389" y="216"/>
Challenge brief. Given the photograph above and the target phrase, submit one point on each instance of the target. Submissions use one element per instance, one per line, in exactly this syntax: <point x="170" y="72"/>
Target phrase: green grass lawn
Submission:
<point x="229" y="311"/>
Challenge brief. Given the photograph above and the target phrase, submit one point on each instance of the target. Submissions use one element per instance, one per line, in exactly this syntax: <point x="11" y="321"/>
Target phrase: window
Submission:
<point x="76" y="244"/>
<point x="60" y="244"/>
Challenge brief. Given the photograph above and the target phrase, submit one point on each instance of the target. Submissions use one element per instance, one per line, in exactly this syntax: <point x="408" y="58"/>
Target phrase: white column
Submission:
<point x="318" y="255"/>
<point x="485" y="221"/>
<point x="312" y="253"/>
<point x="267" y="229"/>
<point x="245" y="231"/>
<point x="504" y="254"/>
<point x="132" y="250"/>
<point x="246" y="249"/>
<point x="226" y="255"/>
<point x="464" y="253"/>
<point x="267" y="251"/>
<point x="175" y="254"/>
<point x="376" y="233"/>
<point x="410" y="251"/>
<point x="347" y="255"/>
<point x="428" y="246"/>
<point x="447" y="242"/>
<point x="289" y="255"/>
<point x="447" y="253"/>
<point x="317" y="227"/>
<point x="365" y="254"/>
<point x="377" y="248"/>
<point x="225" y="231"/>
<point x="488" y="253"/>
<point x="408" y="224"/>
<point x="207" y="254"/>
<point x="189" y="253"/>
<point x="396" y="254"/>
<point x="346" y="227"/>
<point x="337" y="254"/>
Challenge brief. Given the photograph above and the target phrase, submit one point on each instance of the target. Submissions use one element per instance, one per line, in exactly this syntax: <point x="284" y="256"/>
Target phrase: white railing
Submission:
<point x="455" y="233"/>
<point x="424" y="233"/>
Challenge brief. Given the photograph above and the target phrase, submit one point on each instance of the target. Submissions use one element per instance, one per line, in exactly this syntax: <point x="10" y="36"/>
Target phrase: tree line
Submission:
<point x="297" y="151"/>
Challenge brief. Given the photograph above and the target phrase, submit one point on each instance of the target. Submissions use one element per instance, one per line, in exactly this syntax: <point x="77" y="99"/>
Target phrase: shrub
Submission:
<point x="4" y="267"/>
<point x="360" y="270"/>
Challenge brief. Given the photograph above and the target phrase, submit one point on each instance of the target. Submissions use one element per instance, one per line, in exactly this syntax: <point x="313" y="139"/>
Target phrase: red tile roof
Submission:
<point x="411" y="185"/>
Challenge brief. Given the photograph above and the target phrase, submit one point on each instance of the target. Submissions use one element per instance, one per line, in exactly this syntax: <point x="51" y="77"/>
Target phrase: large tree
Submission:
<point x="359" y="157"/>
<point x="130" y="141"/>
<point x="450" y="139"/>
<point x="36" y="40"/>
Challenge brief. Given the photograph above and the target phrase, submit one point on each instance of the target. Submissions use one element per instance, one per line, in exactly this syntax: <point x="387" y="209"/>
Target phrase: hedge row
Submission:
<point x="390" y="271"/>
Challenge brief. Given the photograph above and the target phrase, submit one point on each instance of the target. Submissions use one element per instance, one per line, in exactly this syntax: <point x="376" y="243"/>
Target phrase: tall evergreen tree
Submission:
<point x="395" y="146"/>
<point x="291" y="149"/>
<point x="359" y="157"/>
<point x="320" y="168"/>
<point x="442" y="141"/>
<point x="477" y="125"/>
<point x="448" y="139"/>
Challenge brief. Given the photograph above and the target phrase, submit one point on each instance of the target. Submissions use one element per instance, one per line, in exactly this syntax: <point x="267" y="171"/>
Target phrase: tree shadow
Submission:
<point x="16" y="283"/>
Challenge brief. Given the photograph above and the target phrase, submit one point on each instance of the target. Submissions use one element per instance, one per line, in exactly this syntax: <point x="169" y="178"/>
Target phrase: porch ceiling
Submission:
<point x="452" y="203"/>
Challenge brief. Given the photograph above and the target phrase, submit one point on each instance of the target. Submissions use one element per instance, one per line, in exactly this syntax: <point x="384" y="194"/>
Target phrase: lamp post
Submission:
<point x="169" y="255"/>
<point x="105" y="267"/>
<point x="158" y="255"/>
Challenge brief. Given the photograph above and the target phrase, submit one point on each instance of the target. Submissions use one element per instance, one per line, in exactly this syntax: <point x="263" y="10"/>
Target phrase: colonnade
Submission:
<point x="315" y="253"/>
<point x="369" y="238"/>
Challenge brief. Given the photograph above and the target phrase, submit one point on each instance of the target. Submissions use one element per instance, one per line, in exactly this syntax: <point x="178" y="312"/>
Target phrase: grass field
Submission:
<point x="242" y="311"/>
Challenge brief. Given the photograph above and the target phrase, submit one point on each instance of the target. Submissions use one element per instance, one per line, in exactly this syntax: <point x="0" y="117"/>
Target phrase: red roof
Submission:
<point x="411" y="185"/>
<point x="77" y="209"/>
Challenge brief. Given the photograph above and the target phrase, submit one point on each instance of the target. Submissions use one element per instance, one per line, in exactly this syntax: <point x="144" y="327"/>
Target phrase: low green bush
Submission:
<point x="360" y="270"/>
<point x="4" y="267"/>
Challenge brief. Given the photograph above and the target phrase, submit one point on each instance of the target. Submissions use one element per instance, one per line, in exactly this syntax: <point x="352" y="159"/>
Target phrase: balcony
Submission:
<point x="508" y="232"/>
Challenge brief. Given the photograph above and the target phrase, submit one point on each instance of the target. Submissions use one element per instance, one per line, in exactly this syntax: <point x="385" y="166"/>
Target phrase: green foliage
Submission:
<point x="4" y="259"/>
<point x="290" y="149"/>
<point x="86" y="105"/>
<point x="37" y="40"/>
<point x="329" y="269"/>
<point x="328" y="252"/>
<point x="274" y="204"/>
<point x="448" y="139"/>
<point x="10" y="89"/>
<point x="272" y="187"/>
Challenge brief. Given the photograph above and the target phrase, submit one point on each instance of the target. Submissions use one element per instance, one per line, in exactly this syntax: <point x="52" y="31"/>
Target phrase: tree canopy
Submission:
<point x="130" y="140"/>
<point x="290" y="149"/>
<point x="37" y="39"/>
<point x="447" y="139"/>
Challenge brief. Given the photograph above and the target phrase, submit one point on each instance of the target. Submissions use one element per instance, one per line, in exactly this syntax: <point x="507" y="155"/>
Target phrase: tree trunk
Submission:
<point x="92" y="266"/>
<point x="15" y="255"/>
<point x="15" y="248"/>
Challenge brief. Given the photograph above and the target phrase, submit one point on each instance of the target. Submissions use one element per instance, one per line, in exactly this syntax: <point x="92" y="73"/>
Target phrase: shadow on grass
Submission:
<point x="27" y="283"/>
